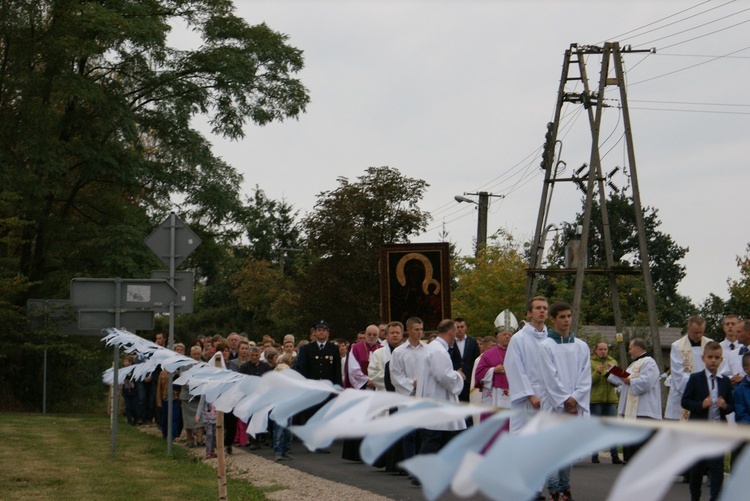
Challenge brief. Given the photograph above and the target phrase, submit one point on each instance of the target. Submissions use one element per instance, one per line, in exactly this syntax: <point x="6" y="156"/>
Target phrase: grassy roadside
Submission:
<point x="69" y="457"/>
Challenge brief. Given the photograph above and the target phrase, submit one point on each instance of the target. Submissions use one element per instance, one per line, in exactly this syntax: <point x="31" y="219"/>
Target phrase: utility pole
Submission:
<point x="592" y="181"/>
<point x="483" y="206"/>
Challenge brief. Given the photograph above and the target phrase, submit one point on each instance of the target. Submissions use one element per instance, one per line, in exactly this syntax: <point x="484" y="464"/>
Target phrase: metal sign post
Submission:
<point x="172" y="241"/>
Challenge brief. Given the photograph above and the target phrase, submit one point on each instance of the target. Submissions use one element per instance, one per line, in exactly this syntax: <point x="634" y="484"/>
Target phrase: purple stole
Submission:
<point x="488" y="360"/>
<point x="361" y="352"/>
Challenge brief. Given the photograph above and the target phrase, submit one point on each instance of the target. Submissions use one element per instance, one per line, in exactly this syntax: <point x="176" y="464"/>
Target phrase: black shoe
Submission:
<point x="595" y="459"/>
<point x="253" y="446"/>
<point x="416" y="483"/>
<point x="540" y="496"/>
<point x="322" y="451"/>
<point x="616" y="460"/>
<point x="228" y="449"/>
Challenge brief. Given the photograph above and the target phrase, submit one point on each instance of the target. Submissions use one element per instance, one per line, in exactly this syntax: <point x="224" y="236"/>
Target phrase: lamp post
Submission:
<point x="483" y="205"/>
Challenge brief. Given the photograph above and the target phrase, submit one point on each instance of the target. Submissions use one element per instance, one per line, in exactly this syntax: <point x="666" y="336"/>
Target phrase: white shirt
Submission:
<point x="461" y="343"/>
<point x="406" y="365"/>
<point x="439" y="381"/>
<point x="523" y="363"/>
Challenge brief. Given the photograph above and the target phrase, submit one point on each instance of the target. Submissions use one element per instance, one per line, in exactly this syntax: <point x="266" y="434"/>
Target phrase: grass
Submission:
<point x="69" y="457"/>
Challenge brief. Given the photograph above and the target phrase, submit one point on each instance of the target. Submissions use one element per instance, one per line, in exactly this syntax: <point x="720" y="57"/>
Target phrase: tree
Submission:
<point x="739" y="290"/>
<point x="664" y="260"/>
<point x="96" y="114"/>
<point x="489" y="284"/>
<point x="97" y="135"/>
<point x="344" y="234"/>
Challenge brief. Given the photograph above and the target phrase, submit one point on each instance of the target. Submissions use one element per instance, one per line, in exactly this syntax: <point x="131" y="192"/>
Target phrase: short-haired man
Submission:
<point x="640" y="392"/>
<point x="468" y="348"/>
<point x="355" y="367"/>
<point x="523" y="362"/>
<point x="233" y="340"/>
<point x="377" y="370"/>
<point x="685" y="358"/>
<point x="406" y="365"/>
<point x="566" y="374"/>
<point x="439" y="381"/>
<point x="382" y="334"/>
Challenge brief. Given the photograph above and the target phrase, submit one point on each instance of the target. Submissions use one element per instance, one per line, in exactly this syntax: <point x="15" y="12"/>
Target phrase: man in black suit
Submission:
<point x="708" y="397"/>
<point x="468" y="348"/>
<point x="320" y="359"/>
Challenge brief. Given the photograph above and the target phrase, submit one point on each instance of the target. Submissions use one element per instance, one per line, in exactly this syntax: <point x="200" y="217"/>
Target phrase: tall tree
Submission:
<point x="344" y="234"/>
<point x="96" y="123"/>
<point x="664" y="259"/>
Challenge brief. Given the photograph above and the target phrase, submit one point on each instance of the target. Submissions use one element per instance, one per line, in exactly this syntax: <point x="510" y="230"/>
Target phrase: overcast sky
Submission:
<point x="459" y="93"/>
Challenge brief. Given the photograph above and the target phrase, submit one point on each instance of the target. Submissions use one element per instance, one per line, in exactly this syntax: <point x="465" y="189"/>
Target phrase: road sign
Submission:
<point x="185" y="241"/>
<point x="183" y="282"/>
<point x="133" y="320"/>
<point x="101" y="293"/>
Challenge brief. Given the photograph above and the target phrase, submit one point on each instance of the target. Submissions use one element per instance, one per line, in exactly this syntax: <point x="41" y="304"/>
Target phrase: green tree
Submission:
<point x="97" y="137"/>
<point x="739" y="290"/>
<point x="96" y="123"/>
<point x="664" y="260"/>
<point x="489" y="284"/>
<point x="344" y="233"/>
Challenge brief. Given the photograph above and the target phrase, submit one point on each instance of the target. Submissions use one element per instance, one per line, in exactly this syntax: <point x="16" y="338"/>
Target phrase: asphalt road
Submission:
<point x="589" y="482"/>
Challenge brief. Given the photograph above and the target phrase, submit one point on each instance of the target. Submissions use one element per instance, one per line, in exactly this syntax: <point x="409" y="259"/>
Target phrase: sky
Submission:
<point x="459" y="94"/>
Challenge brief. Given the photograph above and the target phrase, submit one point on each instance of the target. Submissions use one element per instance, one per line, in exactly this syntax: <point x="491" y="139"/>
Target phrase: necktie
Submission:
<point x="731" y="346"/>
<point x="320" y="346"/>
<point x="743" y="350"/>
<point x="713" y="382"/>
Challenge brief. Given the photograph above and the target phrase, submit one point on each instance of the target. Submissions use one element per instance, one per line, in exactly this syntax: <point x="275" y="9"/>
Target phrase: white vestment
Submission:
<point x="645" y="385"/>
<point x="566" y="372"/>
<point x="679" y="375"/>
<point x="523" y="368"/>
<point x="376" y="369"/>
<point x="439" y="381"/>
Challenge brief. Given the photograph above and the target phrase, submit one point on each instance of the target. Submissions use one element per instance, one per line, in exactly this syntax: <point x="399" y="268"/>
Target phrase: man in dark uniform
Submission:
<point x="320" y="359"/>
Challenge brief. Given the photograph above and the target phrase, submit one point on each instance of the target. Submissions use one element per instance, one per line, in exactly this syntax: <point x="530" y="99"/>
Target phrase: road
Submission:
<point x="589" y="482"/>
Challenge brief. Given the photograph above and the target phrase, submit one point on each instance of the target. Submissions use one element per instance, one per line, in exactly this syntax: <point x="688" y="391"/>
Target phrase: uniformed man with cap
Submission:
<point x="320" y="358"/>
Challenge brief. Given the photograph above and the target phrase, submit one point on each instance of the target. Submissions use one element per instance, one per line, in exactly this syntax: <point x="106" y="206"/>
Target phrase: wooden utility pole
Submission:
<point x="594" y="103"/>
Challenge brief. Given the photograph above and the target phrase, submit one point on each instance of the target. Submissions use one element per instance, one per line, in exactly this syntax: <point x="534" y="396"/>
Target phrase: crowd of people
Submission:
<point x="535" y="368"/>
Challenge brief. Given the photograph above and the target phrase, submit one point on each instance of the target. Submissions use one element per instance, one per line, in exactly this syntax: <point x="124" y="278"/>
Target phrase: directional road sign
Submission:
<point x="101" y="293"/>
<point x="183" y="282"/>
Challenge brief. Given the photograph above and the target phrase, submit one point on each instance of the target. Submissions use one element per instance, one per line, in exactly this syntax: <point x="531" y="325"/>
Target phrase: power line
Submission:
<point x="654" y="22"/>
<point x="688" y="67"/>
<point x="700" y="36"/>
<point x="714" y="112"/>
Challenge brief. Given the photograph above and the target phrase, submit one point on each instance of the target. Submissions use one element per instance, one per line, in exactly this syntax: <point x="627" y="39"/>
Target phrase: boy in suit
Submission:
<point x="708" y="397"/>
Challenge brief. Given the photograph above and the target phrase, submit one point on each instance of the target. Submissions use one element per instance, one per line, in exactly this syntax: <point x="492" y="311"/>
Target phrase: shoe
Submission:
<point x="228" y="449"/>
<point x="201" y="443"/>
<point x="416" y="483"/>
<point x="323" y="451"/>
<point x="210" y="455"/>
<point x="595" y="460"/>
<point x="281" y="457"/>
<point x="554" y="496"/>
<point x="566" y="495"/>
<point x="616" y="460"/>
<point x="539" y="496"/>
<point x="191" y="445"/>
<point x="286" y="455"/>
<point x="253" y="447"/>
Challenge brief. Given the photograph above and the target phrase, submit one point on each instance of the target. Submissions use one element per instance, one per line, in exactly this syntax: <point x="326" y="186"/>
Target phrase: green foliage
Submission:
<point x="344" y="235"/>
<point x="97" y="140"/>
<point x="489" y="284"/>
<point x="664" y="260"/>
<point x="739" y="290"/>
